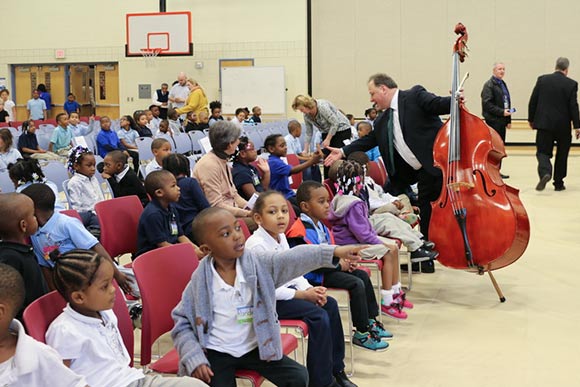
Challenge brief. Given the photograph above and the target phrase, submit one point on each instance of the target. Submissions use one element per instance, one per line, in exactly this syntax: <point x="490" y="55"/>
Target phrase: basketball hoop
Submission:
<point x="150" y="54"/>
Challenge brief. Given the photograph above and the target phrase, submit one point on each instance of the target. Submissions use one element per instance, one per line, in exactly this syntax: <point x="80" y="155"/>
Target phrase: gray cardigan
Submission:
<point x="264" y="271"/>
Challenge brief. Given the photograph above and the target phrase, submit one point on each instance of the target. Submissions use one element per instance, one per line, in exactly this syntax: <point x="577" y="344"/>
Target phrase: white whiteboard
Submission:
<point x="253" y="86"/>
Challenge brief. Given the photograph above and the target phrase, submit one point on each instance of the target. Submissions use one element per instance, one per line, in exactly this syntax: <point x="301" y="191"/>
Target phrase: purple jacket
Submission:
<point x="349" y="216"/>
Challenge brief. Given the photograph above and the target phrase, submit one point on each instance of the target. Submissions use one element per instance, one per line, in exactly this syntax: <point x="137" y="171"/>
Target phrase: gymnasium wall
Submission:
<point x="412" y="42"/>
<point x="273" y="33"/>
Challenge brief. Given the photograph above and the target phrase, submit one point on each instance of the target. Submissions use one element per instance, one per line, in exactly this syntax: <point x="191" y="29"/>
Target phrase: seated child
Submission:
<point x="164" y="131"/>
<point x="364" y="128"/>
<point x="297" y="299"/>
<point x="128" y="136"/>
<point x="159" y="223"/>
<point x="160" y="147"/>
<point x="23" y="360"/>
<point x="223" y="322"/>
<point x="86" y="333"/>
<point x="61" y="140"/>
<point x="295" y="147"/>
<point x="79" y="128"/>
<point x="216" y="112"/>
<point x="350" y="224"/>
<point x="122" y="179"/>
<point x="26" y="172"/>
<point x="203" y="120"/>
<point x="59" y="233"/>
<point x="191" y="199"/>
<point x="174" y="123"/>
<point x="107" y="139"/>
<point x="246" y="177"/>
<point x="275" y="144"/>
<point x="84" y="190"/>
<point x="142" y="122"/>
<point x="18" y="223"/>
<point x="191" y="122"/>
<point x="8" y="153"/>
<point x="388" y="224"/>
<point x="309" y="228"/>
<point x="28" y="144"/>
<point x="155" y="119"/>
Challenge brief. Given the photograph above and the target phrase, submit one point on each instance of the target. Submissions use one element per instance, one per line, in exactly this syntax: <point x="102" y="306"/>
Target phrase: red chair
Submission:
<point x="119" y="219"/>
<point x="73" y="214"/>
<point x="297" y="177"/>
<point x="301" y="329"/>
<point x="328" y="185"/>
<point x="39" y="315"/>
<point x="16" y="124"/>
<point x="51" y="121"/>
<point x="245" y="229"/>
<point x="377" y="174"/>
<point x="160" y="294"/>
<point x="4" y="124"/>
<point x="84" y="119"/>
<point x="292" y="215"/>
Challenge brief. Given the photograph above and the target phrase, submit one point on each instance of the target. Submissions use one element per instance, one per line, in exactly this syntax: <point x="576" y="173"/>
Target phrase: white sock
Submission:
<point x="387" y="296"/>
<point x="397" y="288"/>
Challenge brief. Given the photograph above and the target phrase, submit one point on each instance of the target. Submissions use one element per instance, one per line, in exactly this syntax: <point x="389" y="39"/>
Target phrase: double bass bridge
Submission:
<point x="460" y="186"/>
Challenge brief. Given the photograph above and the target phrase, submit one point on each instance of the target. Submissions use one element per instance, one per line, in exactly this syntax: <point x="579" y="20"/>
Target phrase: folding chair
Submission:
<point x="378" y="175"/>
<point x="182" y="144"/>
<point x="195" y="136"/>
<point x="39" y="315"/>
<point x="144" y="148"/>
<point x="119" y="219"/>
<point x="6" y="184"/>
<point x="73" y="214"/>
<point x="297" y="177"/>
<point x="56" y="172"/>
<point x="291" y="214"/>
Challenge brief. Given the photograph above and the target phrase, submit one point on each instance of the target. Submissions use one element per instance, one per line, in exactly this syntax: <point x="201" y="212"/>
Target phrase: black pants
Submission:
<point x="336" y="142"/>
<point x="363" y="302"/>
<point x="285" y="372"/>
<point x="545" y="140"/>
<point x="325" y="337"/>
<point x="499" y="127"/>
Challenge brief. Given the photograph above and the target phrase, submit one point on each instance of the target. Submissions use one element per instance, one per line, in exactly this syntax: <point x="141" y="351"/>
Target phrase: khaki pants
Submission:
<point x="160" y="381"/>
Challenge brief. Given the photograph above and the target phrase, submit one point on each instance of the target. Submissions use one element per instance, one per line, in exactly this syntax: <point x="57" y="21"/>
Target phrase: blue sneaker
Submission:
<point x="369" y="340"/>
<point x="380" y="330"/>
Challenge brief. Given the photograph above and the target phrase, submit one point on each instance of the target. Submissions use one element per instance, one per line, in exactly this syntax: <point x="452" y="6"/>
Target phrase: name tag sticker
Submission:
<point x="245" y="314"/>
<point x="173" y="226"/>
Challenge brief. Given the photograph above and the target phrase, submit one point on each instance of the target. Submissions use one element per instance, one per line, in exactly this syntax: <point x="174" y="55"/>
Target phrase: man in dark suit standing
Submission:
<point x="553" y="105"/>
<point x="496" y="103"/>
<point x="405" y="133"/>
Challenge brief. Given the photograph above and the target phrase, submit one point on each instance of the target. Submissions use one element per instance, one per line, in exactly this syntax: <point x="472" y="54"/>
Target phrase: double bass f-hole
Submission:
<point x="484" y="183"/>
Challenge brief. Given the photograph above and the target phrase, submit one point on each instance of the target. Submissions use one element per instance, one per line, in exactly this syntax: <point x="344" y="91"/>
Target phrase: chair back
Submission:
<point x="377" y="174"/>
<point x="40" y="313"/>
<point x="119" y="219"/>
<point x="328" y="185"/>
<point x="162" y="275"/>
<point x="291" y="215"/>
<point x="55" y="171"/>
<point x="6" y="184"/>
<point x="73" y="214"/>
<point x="144" y="148"/>
<point x="182" y="143"/>
<point x="195" y="136"/>
<point x="297" y="177"/>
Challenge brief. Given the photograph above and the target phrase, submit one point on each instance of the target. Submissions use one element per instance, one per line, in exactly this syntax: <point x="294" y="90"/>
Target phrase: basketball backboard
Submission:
<point x="168" y="33"/>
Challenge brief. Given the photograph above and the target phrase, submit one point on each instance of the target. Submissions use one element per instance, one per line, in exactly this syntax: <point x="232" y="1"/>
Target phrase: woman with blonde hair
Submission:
<point x="196" y="100"/>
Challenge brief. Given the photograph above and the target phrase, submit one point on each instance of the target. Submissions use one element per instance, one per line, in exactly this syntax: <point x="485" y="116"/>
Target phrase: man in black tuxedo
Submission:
<point x="405" y="133"/>
<point x="553" y="105"/>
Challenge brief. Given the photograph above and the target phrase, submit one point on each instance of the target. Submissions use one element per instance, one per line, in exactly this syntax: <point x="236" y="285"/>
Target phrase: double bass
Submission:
<point x="478" y="222"/>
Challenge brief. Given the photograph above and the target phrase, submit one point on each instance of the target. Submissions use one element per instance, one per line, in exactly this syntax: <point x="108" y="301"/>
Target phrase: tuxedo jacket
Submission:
<point x="554" y="104"/>
<point x="419" y="112"/>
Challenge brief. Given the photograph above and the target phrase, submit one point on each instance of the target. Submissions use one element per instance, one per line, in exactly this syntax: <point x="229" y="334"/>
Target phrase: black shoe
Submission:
<point x="428" y="245"/>
<point x="504" y="176"/>
<point x="427" y="267"/>
<point x="421" y="255"/>
<point x="559" y="187"/>
<point x="414" y="267"/>
<point x="542" y="183"/>
<point x="342" y="380"/>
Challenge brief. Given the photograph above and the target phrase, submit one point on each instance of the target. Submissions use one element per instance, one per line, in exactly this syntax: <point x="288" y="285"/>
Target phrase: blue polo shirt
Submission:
<point x="246" y="174"/>
<point x="157" y="225"/>
<point x="61" y="233"/>
<point x="71" y="107"/>
<point x="61" y="138"/>
<point x="107" y="140"/>
<point x="279" y="173"/>
<point x="36" y="108"/>
<point x="191" y="202"/>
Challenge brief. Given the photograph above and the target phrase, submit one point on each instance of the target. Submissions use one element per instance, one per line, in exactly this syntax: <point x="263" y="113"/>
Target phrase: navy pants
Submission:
<point x="325" y="337"/>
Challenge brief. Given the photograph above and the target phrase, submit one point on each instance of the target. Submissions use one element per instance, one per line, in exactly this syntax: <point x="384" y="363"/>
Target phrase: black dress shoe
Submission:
<point x="542" y="183"/>
<point x="560" y="187"/>
<point x="427" y="267"/>
<point x="343" y="381"/>
<point x="504" y="176"/>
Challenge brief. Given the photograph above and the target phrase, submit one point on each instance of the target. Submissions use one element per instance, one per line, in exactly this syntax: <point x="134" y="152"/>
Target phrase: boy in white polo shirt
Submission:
<point x="23" y="360"/>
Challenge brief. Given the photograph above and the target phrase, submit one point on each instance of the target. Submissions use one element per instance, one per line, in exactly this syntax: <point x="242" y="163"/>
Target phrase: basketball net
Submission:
<point x="150" y="56"/>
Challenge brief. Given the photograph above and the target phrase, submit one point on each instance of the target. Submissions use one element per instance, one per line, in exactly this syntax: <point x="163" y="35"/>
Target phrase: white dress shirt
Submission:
<point x="398" y="139"/>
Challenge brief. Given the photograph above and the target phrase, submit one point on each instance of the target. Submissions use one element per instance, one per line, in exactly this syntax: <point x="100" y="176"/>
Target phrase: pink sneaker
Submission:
<point x="401" y="298"/>
<point x="394" y="311"/>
